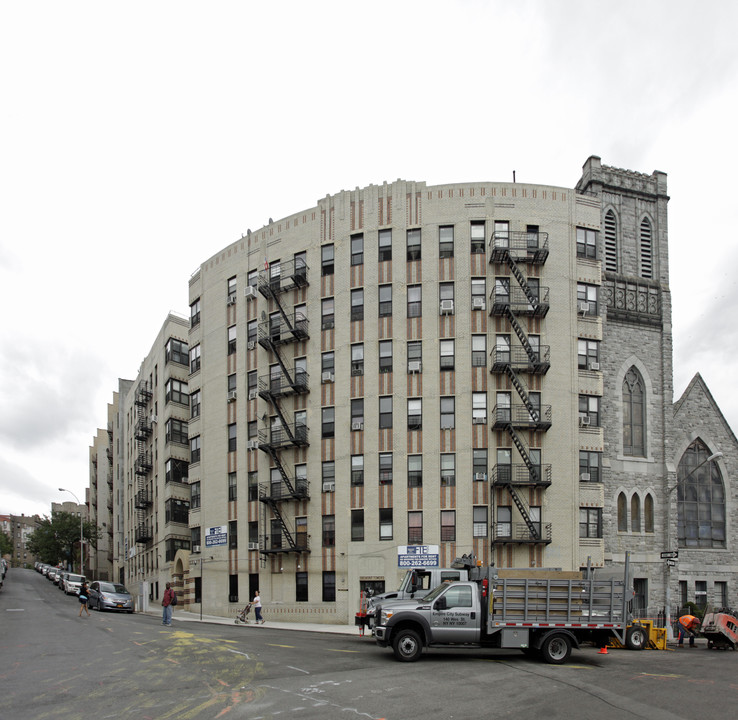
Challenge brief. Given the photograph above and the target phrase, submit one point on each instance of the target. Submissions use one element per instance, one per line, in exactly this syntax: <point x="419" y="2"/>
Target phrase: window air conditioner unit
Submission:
<point x="480" y="476"/>
<point x="184" y="480"/>
<point x="251" y="344"/>
<point x="231" y="300"/>
<point x="153" y="419"/>
<point x="327" y="377"/>
<point x="329" y="487"/>
<point x="413" y="366"/>
<point x="478" y="303"/>
<point x="583" y="307"/>
<point x="584" y="420"/>
<point x="594" y="366"/>
<point x="252" y="445"/>
<point x="357" y="425"/>
<point x="585" y="477"/>
<point x="480" y="420"/>
<point x="195" y="548"/>
<point x="447" y="307"/>
<point x="253" y="546"/>
<point x="249" y="292"/>
<point x="231" y="395"/>
<point x="253" y="393"/>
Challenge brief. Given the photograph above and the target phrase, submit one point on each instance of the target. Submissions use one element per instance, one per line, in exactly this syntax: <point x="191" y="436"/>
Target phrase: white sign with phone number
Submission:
<point x="417" y="556"/>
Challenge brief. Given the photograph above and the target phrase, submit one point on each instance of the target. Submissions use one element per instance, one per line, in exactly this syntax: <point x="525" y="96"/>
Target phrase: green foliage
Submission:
<point x="56" y="539"/>
<point x="6" y="544"/>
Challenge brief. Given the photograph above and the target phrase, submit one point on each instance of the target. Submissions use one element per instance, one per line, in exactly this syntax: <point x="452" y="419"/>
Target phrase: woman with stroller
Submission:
<point x="257" y="608"/>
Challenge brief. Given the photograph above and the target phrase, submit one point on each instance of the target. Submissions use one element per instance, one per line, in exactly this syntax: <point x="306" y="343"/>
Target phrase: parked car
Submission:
<point x="110" y="596"/>
<point x="60" y="579"/>
<point x="71" y="583"/>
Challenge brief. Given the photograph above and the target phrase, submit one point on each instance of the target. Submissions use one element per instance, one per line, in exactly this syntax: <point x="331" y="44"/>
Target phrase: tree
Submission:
<point x="6" y="544"/>
<point x="55" y="539"/>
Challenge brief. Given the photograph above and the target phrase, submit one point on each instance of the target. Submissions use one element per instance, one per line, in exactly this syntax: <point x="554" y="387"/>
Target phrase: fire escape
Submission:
<point x="143" y="465"/>
<point x="518" y="361"/>
<point x="279" y="330"/>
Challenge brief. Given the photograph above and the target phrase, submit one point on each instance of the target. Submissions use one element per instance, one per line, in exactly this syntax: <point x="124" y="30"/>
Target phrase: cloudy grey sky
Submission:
<point x="138" y="138"/>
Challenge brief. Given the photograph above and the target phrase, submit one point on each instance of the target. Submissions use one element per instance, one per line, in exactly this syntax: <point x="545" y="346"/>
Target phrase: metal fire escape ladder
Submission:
<point x="286" y="532"/>
<point x="532" y="297"/>
<point x="533" y="470"/>
<point x="520" y="387"/>
<point x="529" y="351"/>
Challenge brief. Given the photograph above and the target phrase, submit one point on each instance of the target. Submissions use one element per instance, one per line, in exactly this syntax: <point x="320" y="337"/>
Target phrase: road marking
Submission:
<point x="346" y="651"/>
<point x="291" y="667"/>
<point x="238" y="652"/>
<point x="284" y="646"/>
<point x="15" y="609"/>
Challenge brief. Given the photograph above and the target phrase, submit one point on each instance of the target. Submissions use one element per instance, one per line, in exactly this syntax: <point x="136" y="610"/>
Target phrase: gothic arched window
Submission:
<point x="648" y="513"/>
<point x="700" y="500"/>
<point x="634" y="414"/>
<point x="622" y="513"/>
<point x="635" y="513"/>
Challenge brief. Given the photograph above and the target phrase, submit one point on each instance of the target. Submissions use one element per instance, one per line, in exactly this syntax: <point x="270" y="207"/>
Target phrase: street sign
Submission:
<point x="670" y="555"/>
<point x="671" y="563"/>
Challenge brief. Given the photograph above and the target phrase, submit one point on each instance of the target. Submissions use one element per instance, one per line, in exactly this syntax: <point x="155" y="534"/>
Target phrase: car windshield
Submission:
<point x="75" y="578"/>
<point x="113" y="588"/>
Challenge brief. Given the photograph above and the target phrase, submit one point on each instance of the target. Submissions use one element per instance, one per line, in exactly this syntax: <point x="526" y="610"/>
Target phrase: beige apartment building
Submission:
<point x="406" y="373"/>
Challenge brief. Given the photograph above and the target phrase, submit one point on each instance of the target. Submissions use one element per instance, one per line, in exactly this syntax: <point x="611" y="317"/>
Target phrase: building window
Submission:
<point x="232" y="487"/>
<point x="301" y="477"/>
<point x="177" y="511"/>
<point x="275" y="539"/>
<point x="357" y="414"/>
<point x="415" y="528"/>
<point x="448" y="413"/>
<point x="385" y="412"/>
<point x="479" y="408"/>
<point x="231" y="339"/>
<point x="252" y="332"/>
<point x="611" y="242"/>
<point x="479" y="464"/>
<point x="588" y="354"/>
<point x="357" y="249"/>
<point x="414" y="356"/>
<point x="301" y="586"/>
<point x="700" y="500"/>
<point x="586" y="243"/>
<point x="194" y="359"/>
<point x="479" y="351"/>
<point x="589" y="466"/>
<point x="448" y="470"/>
<point x="357" y="359"/>
<point x="385" y="245"/>
<point x="415" y="414"/>
<point x="357" y="304"/>
<point x="329" y="586"/>
<point x="232" y="288"/>
<point x="502" y="349"/>
<point x="646" y="249"/>
<point x="721" y="594"/>
<point x="479" y="521"/>
<point x="589" y="410"/>
<point x="329" y="476"/>
<point x="478" y="235"/>
<point x="329" y="530"/>
<point x="502" y="233"/>
<point x="446" y="293"/>
<point x="357" y="470"/>
<point x="195" y="536"/>
<point x="385" y="300"/>
<point x="232" y="438"/>
<point x="415" y="471"/>
<point x="195" y="403"/>
<point x="503" y="409"/>
<point x="195" y="449"/>
<point x="327" y="257"/>
<point x="252" y="279"/>
<point x="195" y="313"/>
<point x="648" y="513"/>
<point x="385" y="524"/>
<point x="587" y="299"/>
<point x="176" y="351"/>
<point x="414" y="301"/>
<point x="328" y="422"/>
<point x="448" y="525"/>
<point x="357" y="525"/>
<point x="195" y="495"/>
<point x="635" y="513"/>
<point x="327" y="317"/>
<point x="385" y="356"/>
<point x="253" y="485"/>
<point x="413" y="245"/>
<point x="385" y="468"/>
<point x="634" y="414"/>
<point x="700" y="593"/>
<point x="233" y="535"/>
<point x="251" y="381"/>
<point x="447" y="361"/>
<point x="590" y="522"/>
<point x="478" y="293"/>
<point x="446" y="241"/>
<point x="328" y="363"/>
<point x="176" y="470"/>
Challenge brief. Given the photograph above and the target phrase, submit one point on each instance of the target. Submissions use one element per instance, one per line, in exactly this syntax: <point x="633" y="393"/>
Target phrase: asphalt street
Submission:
<point x="54" y="664"/>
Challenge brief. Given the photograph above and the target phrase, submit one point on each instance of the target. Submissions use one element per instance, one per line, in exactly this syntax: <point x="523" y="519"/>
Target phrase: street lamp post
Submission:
<point x="667" y="524"/>
<point x="81" y="534"/>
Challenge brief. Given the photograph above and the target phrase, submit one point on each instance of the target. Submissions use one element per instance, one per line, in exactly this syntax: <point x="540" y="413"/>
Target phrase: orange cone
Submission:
<point x="603" y="650"/>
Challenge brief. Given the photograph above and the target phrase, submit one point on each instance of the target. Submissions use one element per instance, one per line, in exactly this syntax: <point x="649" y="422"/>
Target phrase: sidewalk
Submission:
<point x="183" y="616"/>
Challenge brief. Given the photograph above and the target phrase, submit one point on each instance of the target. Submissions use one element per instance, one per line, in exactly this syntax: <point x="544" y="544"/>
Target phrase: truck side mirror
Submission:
<point x="413" y="583"/>
<point x="441" y="603"/>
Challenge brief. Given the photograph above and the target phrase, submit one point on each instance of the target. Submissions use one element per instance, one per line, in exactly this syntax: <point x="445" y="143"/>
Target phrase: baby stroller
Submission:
<point x="243" y="616"/>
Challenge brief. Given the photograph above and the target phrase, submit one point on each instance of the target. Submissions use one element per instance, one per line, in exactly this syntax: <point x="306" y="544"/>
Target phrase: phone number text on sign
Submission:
<point x="417" y="561"/>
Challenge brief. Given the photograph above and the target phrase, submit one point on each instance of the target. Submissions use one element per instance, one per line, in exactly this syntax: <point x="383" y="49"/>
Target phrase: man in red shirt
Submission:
<point x="166" y="602"/>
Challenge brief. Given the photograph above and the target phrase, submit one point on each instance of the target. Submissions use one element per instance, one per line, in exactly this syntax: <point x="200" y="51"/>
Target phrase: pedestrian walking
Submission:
<point x="688" y="625"/>
<point x="83" y="596"/>
<point x="167" y="601"/>
<point x="257" y="608"/>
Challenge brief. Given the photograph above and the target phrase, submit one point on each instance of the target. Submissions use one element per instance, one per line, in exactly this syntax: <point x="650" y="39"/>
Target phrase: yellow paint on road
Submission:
<point x="284" y="646"/>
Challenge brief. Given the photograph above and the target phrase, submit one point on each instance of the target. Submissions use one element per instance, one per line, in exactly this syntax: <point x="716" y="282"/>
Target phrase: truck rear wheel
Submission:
<point x="636" y="637"/>
<point x="407" y="645"/>
<point x="556" y="649"/>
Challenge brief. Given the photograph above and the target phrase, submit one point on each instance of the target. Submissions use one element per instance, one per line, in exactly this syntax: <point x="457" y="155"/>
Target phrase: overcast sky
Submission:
<point x="138" y="138"/>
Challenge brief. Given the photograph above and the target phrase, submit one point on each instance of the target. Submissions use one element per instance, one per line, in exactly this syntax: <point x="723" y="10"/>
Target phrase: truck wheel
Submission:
<point x="407" y="646"/>
<point x="636" y="637"/>
<point x="556" y="649"/>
